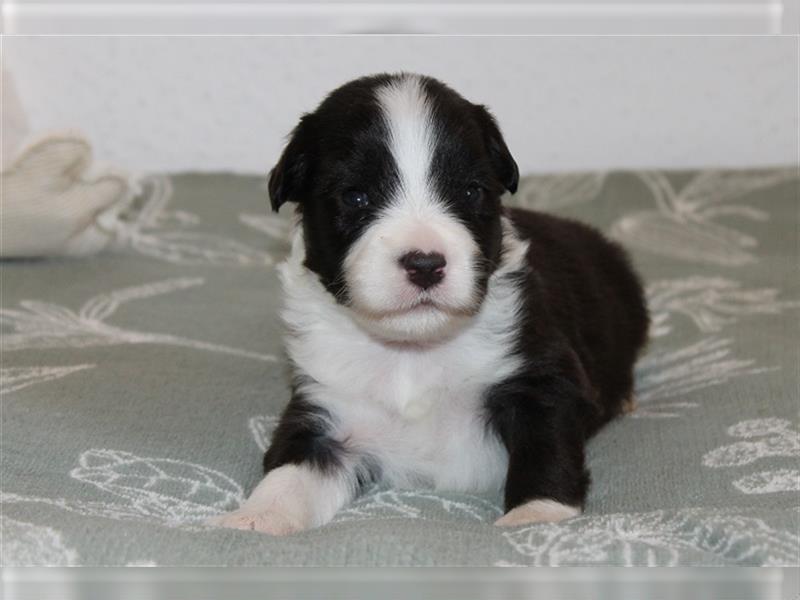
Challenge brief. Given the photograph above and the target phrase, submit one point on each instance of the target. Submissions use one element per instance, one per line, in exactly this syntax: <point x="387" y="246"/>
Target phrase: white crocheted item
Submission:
<point x="52" y="206"/>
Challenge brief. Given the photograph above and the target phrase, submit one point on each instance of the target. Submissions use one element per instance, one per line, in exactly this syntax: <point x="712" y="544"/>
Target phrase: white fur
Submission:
<point x="385" y="302"/>
<point x="537" y="511"/>
<point x="292" y="498"/>
<point x="415" y="408"/>
<point x="408" y="116"/>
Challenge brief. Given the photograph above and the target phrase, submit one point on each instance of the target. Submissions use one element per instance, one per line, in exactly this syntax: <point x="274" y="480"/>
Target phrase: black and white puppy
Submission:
<point x="437" y="339"/>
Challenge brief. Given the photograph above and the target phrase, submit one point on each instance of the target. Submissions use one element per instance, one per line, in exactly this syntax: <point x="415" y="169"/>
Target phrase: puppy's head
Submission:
<point x="398" y="182"/>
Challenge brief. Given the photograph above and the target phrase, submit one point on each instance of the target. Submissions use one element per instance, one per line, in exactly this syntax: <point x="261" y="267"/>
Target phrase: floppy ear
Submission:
<point x="504" y="164"/>
<point x="287" y="178"/>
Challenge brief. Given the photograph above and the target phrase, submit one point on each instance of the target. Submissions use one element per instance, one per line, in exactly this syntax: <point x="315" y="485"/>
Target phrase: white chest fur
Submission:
<point x="417" y="411"/>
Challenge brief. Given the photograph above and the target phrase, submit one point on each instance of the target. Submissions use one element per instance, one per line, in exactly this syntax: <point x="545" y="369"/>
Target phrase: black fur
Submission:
<point x="302" y="437"/>
<point x="342" y="146"/>
<point x="584" y="322"/>
<point x="581" y="328"/>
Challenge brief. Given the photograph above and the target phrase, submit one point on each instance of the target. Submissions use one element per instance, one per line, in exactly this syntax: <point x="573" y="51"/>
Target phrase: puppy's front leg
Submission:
<point x="309" y="477"/>
<point x="539" y="420"/>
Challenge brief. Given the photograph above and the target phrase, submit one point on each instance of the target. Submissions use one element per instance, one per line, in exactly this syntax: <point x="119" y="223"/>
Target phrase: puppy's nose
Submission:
<point x="424" y="270"/>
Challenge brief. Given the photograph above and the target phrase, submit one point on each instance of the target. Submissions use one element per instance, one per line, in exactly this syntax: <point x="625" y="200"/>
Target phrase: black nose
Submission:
<point x="424" y="270"/>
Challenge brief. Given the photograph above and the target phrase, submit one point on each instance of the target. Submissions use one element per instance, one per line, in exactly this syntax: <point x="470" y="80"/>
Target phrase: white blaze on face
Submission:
<point x="414" y="220"/>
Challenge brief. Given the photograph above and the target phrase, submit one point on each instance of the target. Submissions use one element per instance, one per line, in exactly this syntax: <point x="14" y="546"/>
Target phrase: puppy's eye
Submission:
<point x="355" y="199"/>
<point x="473" y="193"/>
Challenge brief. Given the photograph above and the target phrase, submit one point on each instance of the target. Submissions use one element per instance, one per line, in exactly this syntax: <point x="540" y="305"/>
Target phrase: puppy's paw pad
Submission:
<point x="270" y="522"/>
<point x="537" y="511"/>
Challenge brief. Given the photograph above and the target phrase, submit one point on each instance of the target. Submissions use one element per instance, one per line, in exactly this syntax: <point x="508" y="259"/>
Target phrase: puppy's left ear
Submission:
<point x="504" y="164"/>
<point x="287" y="178"/>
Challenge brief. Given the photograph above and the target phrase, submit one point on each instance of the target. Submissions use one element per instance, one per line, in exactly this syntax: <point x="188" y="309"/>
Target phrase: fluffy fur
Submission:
<point x="488" y="374"/>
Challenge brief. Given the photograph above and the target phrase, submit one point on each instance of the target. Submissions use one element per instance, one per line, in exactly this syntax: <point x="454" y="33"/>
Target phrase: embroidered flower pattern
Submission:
<point x="684" y="224"/>
<point x="663" y="377"/>
<point x="415" y="504"/>
<point x="553" y="192"/>
<point x="147" y="227"/>
<point x="710" y="303"/>
<point x="171" y="492"/>
<point x="29" y="545"/>
<point x="43" y="325"/>
<point x="760" y="439"/>
<point x="17" y="378"/>
<point x="656" y="538"/>
<point x="261" y="427"/>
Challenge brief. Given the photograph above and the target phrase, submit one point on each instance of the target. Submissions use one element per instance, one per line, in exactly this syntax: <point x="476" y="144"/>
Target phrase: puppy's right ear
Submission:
<point x="287" y="178"/>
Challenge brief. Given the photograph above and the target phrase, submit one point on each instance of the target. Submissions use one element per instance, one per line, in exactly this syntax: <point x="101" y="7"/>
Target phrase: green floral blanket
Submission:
<point x="140" y="388"/>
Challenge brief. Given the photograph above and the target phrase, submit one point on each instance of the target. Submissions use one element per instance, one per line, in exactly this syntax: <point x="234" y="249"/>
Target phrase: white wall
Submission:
<point x="202" y="103"/>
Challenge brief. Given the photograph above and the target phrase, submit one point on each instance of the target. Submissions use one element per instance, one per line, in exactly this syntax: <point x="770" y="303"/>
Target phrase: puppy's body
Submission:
<point x="437" y="339"/>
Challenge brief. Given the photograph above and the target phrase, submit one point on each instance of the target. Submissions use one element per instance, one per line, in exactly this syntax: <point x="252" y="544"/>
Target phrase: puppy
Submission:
<point x="437" y="339"/>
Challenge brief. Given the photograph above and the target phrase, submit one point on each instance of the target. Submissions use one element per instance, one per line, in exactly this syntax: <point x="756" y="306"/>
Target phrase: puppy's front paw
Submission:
<point x="270" y="522"/>
<point x="537" y="511"/>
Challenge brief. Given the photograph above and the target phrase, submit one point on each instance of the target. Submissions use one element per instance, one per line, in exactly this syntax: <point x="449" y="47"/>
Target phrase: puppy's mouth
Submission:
<point x="421" y="305"/>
